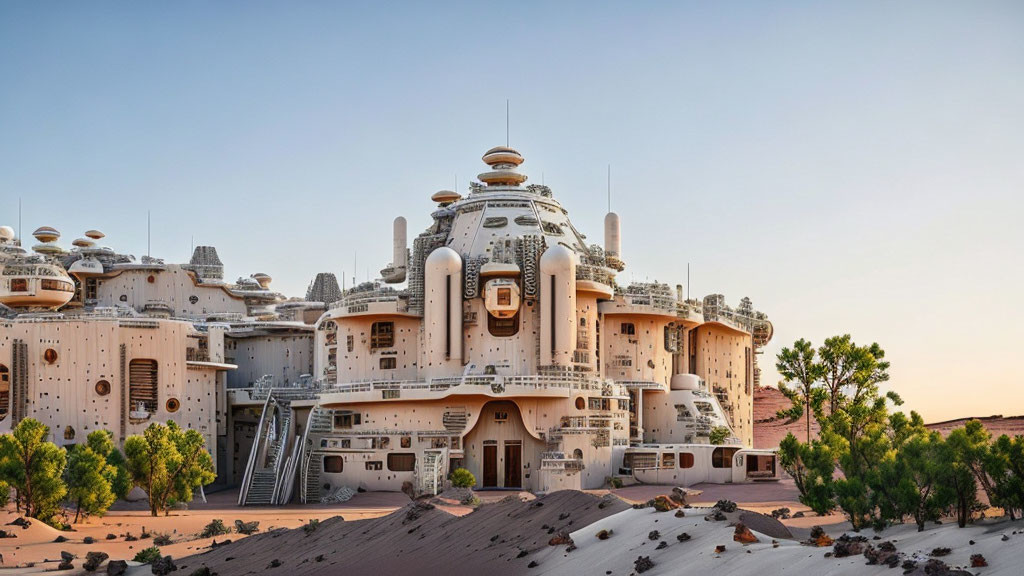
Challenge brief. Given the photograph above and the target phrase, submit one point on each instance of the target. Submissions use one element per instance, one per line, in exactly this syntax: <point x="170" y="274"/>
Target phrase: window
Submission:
<point x="350" y="342"/>
<point x="58" y="285"/>
<point x="722" y="457"/>
<point x="172" y="405"/>
<point x="347" y="419"/>
<point x="142" y="385"/>
<point x="382" y="335"/>
<point x="628" y="329"/>
<point x="405" y="441"/>
<point x="390" y="394"/>
<point x="402" y="462"/>
<point x="334" y="464"/>
<point x="103" y="387"/>
<point x="504" y="297"/>
<point x="685" y="460"/>
<point x="668" y="460"/>
<point x="577" y="454"/>
<point x="580" y="403"/>
<point x="5" y="391"/>
<point x="69" y="433"/>
<point x="389" y="363"/>
<point x="501" y="416"/>
<point x="503" y="327"/>
<point x="50" y="355"/>
<point x="374" y="465"/>
<point x="19" y="285"/>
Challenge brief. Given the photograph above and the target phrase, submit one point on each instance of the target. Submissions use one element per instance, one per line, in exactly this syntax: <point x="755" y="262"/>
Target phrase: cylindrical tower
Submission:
<point x="442" y="309"/>
<point x="612" y="236"/>
<point x="557" y="306"/>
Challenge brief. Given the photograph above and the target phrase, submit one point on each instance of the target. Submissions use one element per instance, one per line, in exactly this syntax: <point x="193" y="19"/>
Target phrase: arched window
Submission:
<point x="69" y="433"/>
<point x="722" y="457"/>
<point x="577" y="454"/>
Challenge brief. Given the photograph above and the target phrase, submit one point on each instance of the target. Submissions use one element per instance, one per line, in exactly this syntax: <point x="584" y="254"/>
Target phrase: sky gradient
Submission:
<point x="854" y="167"/>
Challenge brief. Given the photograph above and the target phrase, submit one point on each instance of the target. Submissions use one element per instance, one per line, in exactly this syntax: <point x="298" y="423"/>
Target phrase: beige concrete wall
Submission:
<point x="173" y="285"/>
<point x="643" y="349"/>
<point x="285" y="356"/>
<point x="722" y="361"/>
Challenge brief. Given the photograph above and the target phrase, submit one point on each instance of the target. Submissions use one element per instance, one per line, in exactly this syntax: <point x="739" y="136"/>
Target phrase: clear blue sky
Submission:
<point x="853" y="167"/>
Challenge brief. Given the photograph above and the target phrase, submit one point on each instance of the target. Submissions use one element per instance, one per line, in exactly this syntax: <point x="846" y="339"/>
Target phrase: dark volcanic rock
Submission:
<point x="643" y="564"/>
<point x="94" y="559"/>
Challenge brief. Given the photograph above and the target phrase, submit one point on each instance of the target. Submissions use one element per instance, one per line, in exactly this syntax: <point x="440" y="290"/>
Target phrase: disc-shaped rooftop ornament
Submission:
<point x="445" y="197"/>
<point x="502" y="155"/>
<point x="94" y="234"/>
<point x="83" y="243"/>
<point x="46" y="234"/>
<point x="262" y="278"/>
<point x="48" y="248"/>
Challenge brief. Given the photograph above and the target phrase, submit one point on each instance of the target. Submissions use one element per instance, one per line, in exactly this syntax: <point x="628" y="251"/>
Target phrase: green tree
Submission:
<point x="34" y="467"/>
<point x="797" y="366"/>
<point x="718" y="435"/>
<point x="1006" y="467"/>
<point x="93" y="482"/>
<point x="168" y="462"/>
<point x="967" y="451"/>
<point x="812" y="467"/>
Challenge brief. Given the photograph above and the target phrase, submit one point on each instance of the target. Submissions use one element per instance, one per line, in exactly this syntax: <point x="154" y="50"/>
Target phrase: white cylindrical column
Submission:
<point x="400" y="249"/>
<point x="442" y="308"/>
<point x="557" y="306"/>
<point x="612" y="235"/>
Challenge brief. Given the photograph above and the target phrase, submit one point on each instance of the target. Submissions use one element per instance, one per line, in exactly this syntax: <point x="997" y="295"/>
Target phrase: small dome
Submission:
<point x="502" y="155"/>
<point x="6" y="233"/>
<point x="262" y="278"/>
<point x="445" y="197"/>
<point x="46" y="234"/>
<point x="94" y="234"/>
<point x="83" y="243"/>
<point x="48" y="249"/>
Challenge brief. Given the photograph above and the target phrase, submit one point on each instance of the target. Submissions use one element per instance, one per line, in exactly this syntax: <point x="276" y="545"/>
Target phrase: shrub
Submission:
<point x="718" y="434"/>
<point x="215" y="528"/>
<point x="462" y="478"/>
<point x="147" y="555"/>
<point x="311" y="526"/>
<point x="162" y="540"/>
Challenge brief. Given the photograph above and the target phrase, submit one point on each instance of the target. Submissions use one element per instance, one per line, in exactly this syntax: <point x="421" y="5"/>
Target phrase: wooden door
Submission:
<point x="513" y="465"/>
<point x="490" y="466"/>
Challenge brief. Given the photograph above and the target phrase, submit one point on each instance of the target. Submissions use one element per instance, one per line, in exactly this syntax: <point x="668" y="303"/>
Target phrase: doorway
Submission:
<point x="490" y="466"/>
<point x="513" y="464"/>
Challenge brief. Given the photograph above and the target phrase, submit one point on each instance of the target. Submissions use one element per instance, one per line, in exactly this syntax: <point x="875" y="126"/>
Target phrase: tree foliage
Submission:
<point x="169" y="463"/>
<point x="94" y="478"/>
<point x="718" y="435"/>
<point x="35" y="468"/>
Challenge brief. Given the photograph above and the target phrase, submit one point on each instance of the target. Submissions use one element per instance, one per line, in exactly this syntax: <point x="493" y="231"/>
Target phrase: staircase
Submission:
<point x="454" y="419"/>
<point x="266" y="473"/>
<point x="320" y="422"/>
<point x="431" y="470"/>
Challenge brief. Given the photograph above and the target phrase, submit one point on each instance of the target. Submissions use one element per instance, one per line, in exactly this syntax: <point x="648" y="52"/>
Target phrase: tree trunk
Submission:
<point x="808" y="410"/>
<point x="78" y="510"/>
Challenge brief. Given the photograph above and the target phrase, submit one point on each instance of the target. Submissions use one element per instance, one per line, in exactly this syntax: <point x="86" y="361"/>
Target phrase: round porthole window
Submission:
<point x="173" y="405"/>
<point x="103" y="387"/>
<point x="580" y="403"/>
<point x="50" y="355"/>
<point x="151" y="279"/>
<point x="193" y="299"/>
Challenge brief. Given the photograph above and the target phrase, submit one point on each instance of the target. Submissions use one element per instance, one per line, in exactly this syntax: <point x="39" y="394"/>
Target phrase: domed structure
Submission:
<point x="503" y="162"/>
<point x="46" y="234"/>
<point x="445" y="197"/>
<point x="6" y="234"/>
<point x="94" y="234"/>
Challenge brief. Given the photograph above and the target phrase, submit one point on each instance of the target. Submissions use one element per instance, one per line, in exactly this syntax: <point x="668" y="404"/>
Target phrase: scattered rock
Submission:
<point x="743" y="535"/>
<point x="799" y="514"/>
<point x="664" y="504"/>
<point x="117" y="568"/>
<point x="653" y="535"/>
<point x="678" y="496"/>
<point x="643" y="564"/>
<point x="19" y="521"/>
<point x="978" y="561"/>
<point x="819" y="538"/>
<point x="522" y="554"/>
<point x="938" y="552"/>
<point x="65" y="561"/>
<point x="275" y="563"/>
<point x="720" y="548"/>
<point x="682" y="537"/>
<point x="60" y="538"/>
<point x="417" y="509"/>
<point x="249" y="528"/>
<point x="214" y="545"/>
<point x="560" y="539"/>
<point x="111" y="537"/>
<point x="94" y="559"/>
<point x="532" y="564"/>
<point x="726" y="505"/>
<point x="885" y="555"/>
<point x="1005" y="538"/>
<point x="162" y="540"/>
<point x="605" y="534"/>
<point x="164" y="566"/>
<point x="716" y="515"/>
<point x="661" y="545"/>
<point x="780" y="513"/>
<point x="680" y="513"/>
<point x="202" y="571"/>
<point x="847" y="545"/>
<point x="88" y="540"/>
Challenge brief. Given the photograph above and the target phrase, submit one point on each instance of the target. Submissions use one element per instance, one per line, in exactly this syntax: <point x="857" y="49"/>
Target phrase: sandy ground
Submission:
<point x="36" y="544"/>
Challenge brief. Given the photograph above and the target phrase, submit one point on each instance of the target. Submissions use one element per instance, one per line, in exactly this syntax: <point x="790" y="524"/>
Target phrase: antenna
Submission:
<point x="149" y="234"/>
<point x="506" y="122"/>
<point x="609" y="187"/>
<point x="456" y="182"/>
<point x="355" y="268"/>
<point x="688" y="295"/>
<point x="19" y="221"/>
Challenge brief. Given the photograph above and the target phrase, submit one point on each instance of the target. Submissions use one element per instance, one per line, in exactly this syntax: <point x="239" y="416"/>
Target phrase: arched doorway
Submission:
<point x="500" y="451"/>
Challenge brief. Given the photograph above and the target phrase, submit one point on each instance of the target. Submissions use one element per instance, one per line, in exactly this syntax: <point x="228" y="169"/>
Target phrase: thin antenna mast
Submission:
<point x="609" y="187"/>
<point x="688" y="280"/>
<point x="19" y="221"/>
<point x="149" y="235"/>
<point x="506" y="122"/>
